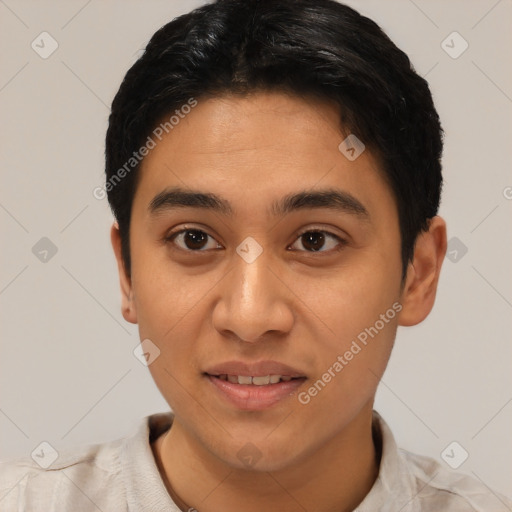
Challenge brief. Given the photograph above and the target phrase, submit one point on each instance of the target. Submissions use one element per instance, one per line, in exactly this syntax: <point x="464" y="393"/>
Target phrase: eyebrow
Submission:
<point x="334" y="199"/>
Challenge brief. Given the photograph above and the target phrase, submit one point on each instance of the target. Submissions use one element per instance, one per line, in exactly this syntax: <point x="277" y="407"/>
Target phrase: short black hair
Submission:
<point x="316" y="48"/>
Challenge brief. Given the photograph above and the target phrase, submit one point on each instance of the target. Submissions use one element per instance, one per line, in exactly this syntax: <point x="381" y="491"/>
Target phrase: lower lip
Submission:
<point x="255" y="398"/>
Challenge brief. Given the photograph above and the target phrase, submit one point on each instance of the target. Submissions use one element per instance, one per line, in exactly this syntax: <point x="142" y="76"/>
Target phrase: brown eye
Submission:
<point x="192" y="240"/>
<point x="320" y="241"/>
<point x="313" y="240"/>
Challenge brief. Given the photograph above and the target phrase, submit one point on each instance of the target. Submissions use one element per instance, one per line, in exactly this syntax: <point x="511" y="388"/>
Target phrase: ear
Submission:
<point x="420" y="287"/>
<point x="127" y="302"/>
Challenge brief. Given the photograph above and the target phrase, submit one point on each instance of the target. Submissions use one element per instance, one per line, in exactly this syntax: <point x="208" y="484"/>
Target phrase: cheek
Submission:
<point x="163" y="292"/>
<point x="350" y="298"/>
<point x="353" y="355"/>
<point x="356" y="318"/>
<point x="170" y="313"/>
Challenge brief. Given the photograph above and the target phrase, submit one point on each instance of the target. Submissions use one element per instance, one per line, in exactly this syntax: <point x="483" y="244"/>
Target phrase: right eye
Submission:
<point x="192" y="240"/>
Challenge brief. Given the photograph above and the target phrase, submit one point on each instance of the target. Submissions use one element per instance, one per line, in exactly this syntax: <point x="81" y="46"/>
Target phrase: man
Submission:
<point x="274" y="171"/>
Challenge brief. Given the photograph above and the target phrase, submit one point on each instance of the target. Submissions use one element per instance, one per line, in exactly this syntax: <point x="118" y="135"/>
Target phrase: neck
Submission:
<point x="335" y="477"/>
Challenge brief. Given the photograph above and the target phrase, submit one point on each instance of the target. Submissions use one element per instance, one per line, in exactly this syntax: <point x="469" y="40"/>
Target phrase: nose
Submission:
<point x="254" y="303"/>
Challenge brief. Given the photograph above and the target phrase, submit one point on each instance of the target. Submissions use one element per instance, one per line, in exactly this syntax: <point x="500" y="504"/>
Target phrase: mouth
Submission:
<point x="247" y="380"/>
<point x="254" y="386"/>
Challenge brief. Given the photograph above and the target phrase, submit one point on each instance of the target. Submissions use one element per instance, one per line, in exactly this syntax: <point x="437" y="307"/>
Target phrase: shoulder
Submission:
<point x="440" y="488"/>
<point x="72" y="479"/>
<point x="410" y="482"/>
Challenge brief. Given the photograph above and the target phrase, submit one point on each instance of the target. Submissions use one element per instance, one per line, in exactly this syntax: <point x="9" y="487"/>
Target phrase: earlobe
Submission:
<point x="420" y="288"/>
<point x="127" y="303"/>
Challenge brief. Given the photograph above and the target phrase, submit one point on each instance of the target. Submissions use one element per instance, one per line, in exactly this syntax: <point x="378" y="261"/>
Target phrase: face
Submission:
<point x="259" y="249"/>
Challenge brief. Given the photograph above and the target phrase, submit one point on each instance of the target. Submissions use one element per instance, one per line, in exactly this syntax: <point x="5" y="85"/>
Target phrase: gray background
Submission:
<point x="67" y="372"/>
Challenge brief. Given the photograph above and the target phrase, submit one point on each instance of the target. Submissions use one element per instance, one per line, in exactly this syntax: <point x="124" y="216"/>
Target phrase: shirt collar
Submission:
<point x="145" y="489"/>
<point x="393" y="489"/>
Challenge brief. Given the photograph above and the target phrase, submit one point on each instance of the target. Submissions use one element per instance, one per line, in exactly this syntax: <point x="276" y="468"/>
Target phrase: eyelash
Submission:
<point x="169" y="239"/>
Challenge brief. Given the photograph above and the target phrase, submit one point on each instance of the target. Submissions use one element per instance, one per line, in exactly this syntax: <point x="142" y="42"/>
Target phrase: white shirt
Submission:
<point x="122" y="475"/>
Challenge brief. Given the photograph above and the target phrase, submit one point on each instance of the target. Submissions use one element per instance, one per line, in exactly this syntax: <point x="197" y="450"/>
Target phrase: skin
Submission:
<point x="294" y="305"/>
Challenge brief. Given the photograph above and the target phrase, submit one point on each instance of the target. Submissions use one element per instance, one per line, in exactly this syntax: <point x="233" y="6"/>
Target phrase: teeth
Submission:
<point x="260" y="381"/>
<point x="256" y="381"/>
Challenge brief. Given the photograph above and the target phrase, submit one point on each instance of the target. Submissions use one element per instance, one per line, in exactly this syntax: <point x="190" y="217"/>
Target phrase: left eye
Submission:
<point x="315" y="241"/>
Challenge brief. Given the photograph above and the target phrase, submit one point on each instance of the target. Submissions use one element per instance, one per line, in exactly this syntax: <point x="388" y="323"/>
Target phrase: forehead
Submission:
<point x="259" y="148"/>
<point x="232" y="123"/>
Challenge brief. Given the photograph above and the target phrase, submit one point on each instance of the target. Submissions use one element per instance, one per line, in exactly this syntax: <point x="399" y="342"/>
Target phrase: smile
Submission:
<point x="254" y="393"/>
<point x="256" y="381"/>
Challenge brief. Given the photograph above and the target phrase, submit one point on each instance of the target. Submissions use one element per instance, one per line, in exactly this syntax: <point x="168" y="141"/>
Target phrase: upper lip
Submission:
<point x="256" y="369"/>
